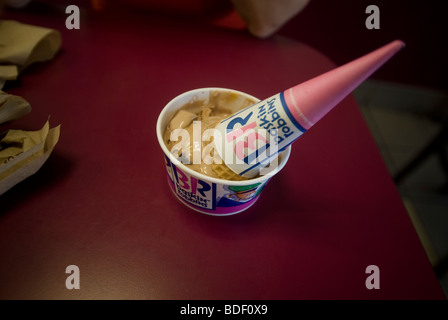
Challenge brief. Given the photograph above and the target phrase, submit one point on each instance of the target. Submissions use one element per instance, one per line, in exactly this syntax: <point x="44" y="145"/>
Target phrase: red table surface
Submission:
<point x="102" y="201"/>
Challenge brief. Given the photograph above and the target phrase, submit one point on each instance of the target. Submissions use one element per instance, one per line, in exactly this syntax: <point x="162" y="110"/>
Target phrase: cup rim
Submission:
<point x="285" y="154"/>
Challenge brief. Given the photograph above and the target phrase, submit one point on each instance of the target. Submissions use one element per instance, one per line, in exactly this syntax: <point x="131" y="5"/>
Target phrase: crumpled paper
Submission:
<point x="23" y="44"/>
<point x="22" y="153"/>
<point x="12" y="107"/>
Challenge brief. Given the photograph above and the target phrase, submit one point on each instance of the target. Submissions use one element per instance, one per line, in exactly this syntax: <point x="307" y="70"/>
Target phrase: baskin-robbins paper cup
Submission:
<point x="202" y="193"/>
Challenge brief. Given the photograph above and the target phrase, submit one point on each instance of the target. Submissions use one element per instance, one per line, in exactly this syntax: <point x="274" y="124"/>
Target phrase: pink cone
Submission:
<point x="309" y="101"/>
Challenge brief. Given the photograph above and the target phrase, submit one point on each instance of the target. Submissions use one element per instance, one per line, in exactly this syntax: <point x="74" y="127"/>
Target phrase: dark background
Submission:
<point x="337" y="28"/>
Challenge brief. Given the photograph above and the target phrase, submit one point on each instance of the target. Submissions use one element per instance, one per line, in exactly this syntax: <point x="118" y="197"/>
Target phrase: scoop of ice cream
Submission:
<point x="196" y="118"/>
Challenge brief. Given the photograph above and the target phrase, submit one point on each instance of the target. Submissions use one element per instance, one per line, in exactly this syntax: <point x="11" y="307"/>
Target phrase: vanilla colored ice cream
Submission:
<point x="203" y="116"/>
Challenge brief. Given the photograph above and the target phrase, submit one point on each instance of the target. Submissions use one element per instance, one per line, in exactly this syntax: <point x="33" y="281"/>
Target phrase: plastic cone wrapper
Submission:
<point x="250" y="140"/>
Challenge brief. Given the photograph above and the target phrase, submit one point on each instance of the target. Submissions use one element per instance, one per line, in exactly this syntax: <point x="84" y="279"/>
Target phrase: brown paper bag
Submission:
<point x="22" y="45"/>
<point x="22" y="153"/>
<point x="12" y="107"/>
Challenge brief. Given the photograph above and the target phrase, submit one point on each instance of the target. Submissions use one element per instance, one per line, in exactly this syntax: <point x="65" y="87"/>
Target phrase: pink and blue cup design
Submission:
<point x="202" y="193"/>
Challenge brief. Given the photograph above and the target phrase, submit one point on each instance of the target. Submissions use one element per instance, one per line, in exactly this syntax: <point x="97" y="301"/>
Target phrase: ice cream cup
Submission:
<point x="202" y="193"/>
